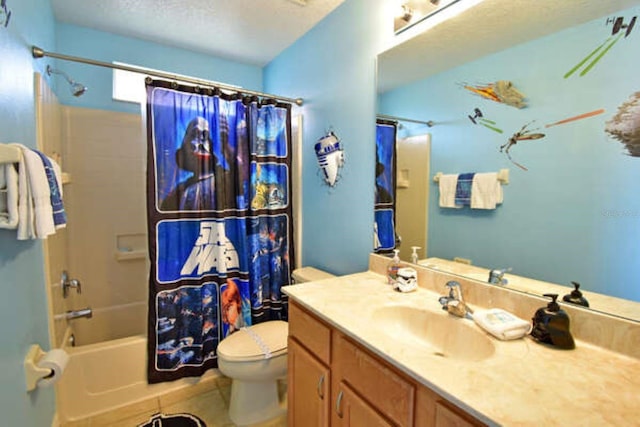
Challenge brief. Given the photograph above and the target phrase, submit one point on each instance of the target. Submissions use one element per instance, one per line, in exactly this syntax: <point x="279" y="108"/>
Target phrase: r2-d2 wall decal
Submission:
<point x="330" y="157"/>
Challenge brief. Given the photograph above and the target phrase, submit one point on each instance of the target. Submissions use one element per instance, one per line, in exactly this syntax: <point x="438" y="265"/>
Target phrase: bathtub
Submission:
<point x="111" y="323"/>
<point x="103" y="376"/>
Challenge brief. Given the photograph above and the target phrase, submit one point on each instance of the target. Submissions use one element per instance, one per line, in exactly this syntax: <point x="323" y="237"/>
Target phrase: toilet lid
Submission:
<point x="255" y="342"/>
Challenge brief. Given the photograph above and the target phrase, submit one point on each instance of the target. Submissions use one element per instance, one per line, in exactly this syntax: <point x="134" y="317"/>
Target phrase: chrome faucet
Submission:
<point x="497" y="276"/>
<point x="68" y="283"/>
<point x="76" y="314"/>
<point x="454" y="302"/>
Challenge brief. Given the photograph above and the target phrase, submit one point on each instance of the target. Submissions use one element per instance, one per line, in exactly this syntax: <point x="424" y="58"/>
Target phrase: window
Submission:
<point x="128" y="86"/>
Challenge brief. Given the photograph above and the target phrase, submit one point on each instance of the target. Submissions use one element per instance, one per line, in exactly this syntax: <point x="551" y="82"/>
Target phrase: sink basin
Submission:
<point x="440" y="334"/>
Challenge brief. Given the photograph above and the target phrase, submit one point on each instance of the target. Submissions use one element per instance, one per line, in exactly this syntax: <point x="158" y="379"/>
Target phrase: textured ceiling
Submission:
<point x="488" y="27"/>
<point x="248" y="31"/>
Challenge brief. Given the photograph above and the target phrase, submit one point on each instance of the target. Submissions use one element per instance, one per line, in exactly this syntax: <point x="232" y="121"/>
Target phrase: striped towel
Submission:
<point x="463" y="189"/>
<point x="52" y="170"/>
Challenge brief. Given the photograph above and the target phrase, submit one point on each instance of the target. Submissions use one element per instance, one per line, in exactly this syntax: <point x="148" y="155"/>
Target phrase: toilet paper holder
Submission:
<point x="32" y="371"/>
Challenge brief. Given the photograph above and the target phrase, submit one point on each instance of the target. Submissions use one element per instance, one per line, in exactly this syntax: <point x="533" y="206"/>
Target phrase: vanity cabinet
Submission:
<point x="385" y="390"/>
<point x="335" y="381"/>
<point x="308" y="393"/>
<point x="353" y="410"/>
<point x="434" y="410"/>
<point x="309" y="382"/>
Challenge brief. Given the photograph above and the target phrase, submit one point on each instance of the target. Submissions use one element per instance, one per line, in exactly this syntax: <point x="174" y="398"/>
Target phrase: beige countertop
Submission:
<point x="522" y="383"/>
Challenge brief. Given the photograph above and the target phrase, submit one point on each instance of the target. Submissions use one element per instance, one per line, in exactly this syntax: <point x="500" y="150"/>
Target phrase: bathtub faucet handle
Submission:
<point x="76" y="314"/>
<point x="67" y="283"/>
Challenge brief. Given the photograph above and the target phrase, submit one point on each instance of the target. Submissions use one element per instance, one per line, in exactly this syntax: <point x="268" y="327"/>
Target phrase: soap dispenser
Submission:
<point x="575" y="297"/>
<point x="414" y="254"/>
<point x="551" y="325"/>
<point x="393" y="267"/>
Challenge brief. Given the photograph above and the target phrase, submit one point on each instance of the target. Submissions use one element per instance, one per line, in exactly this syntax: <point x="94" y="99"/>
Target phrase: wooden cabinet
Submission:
<point x="385" y="390"/>
<point x="434" y="410"/>
<point x="352" y="410"/>
<point x="308" y="388"/>
<point x="335" y="381"/>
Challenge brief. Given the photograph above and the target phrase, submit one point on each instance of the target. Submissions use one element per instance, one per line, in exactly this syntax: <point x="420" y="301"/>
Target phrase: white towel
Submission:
<point x="25" y="205"/>
<point x="447" y="185"/>
<point x="34" y="204"/>
<point x="9" y="197"/>
<point x="486" y="191"/>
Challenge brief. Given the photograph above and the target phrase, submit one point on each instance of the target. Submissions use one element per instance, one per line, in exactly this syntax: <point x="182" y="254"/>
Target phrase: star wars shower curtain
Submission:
<point x="219" y="221"/>
<point x="384" y="236"/>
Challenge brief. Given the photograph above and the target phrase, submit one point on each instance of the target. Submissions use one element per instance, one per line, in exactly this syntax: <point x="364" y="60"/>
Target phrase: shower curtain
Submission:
<point x="384" y="235"/>
<point x="219" y="221"/>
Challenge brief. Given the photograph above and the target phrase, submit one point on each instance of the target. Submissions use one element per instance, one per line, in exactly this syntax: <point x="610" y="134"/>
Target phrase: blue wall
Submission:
<point x="84" y="42"/>
<point x="333" y="68"/>
<point x="574" y="214"/>
<point x="23" y="307"/>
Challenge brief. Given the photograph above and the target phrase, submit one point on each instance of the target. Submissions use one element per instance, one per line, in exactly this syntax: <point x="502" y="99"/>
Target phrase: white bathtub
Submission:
<point x="103" y="376"/>
<point x="111" y="323"/>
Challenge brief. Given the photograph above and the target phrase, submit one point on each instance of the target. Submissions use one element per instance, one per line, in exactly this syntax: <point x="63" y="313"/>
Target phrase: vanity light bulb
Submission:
<point x="404" y="12"/>
<point x="408" y="14"/>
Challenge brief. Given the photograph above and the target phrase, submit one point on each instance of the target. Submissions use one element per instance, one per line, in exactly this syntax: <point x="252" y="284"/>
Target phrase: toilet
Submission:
<point x="255" y="358"/>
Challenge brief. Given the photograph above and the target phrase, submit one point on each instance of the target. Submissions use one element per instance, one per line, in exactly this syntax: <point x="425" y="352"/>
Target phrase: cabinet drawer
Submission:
<point x="311" y="332"/>
<point x="387" y="391"/>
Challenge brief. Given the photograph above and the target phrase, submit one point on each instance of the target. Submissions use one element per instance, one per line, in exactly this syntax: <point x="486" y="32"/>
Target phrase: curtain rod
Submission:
<point x="39" y="53"/>
<point x="401" y="119"/>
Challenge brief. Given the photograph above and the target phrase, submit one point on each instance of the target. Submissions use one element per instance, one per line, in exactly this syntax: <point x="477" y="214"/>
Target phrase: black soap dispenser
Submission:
<point x="551" y="325"/>
<point x="575" y="297"/>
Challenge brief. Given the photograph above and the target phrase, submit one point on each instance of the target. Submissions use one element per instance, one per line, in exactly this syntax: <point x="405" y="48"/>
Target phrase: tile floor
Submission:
<point x="209" y="404"/>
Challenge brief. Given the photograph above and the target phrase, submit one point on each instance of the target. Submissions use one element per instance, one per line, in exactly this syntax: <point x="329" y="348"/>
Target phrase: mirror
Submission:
<point x="570" y="209"/>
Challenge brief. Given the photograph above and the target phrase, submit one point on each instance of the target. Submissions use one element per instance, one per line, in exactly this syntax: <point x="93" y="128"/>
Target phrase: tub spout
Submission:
<point x="75" y="314"/>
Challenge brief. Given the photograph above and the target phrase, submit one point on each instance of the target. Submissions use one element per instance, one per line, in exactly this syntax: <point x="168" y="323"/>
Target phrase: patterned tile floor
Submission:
<point x="211" y="406"/>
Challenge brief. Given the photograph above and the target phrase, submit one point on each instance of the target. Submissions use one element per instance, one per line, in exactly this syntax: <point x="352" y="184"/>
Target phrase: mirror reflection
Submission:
<point x="561" y="112"/>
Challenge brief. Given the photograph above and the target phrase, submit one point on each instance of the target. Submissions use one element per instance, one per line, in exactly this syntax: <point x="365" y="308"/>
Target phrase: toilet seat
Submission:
<point x="256" y="342"/>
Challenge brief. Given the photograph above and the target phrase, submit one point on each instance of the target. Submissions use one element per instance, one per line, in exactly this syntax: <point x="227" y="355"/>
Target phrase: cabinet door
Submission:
<point x="308" y="388"/>
<point x="352" y="411"/>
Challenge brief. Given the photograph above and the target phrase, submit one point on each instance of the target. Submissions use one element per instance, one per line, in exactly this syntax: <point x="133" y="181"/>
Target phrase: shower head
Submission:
<point x="77" y="89"/>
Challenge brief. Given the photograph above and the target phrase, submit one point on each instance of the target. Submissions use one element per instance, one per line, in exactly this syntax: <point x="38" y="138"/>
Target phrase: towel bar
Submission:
<point x="503" y="176"/>
<point x="9" y="154"/>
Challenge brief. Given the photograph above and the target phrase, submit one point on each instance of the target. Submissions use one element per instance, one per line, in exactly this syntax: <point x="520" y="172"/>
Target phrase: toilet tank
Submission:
<point x="309" y="274"/>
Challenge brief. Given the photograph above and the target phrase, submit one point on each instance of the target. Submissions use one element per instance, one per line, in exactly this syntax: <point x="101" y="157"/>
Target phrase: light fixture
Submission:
<point x="429" y="13"/>
<point x="77" y="89"/>
<point x="407" y="13"/>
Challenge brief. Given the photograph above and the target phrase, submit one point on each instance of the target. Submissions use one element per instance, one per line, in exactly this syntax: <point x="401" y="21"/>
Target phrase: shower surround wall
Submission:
<point x="105" y="153"/>
<point x="49" y="141"/>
